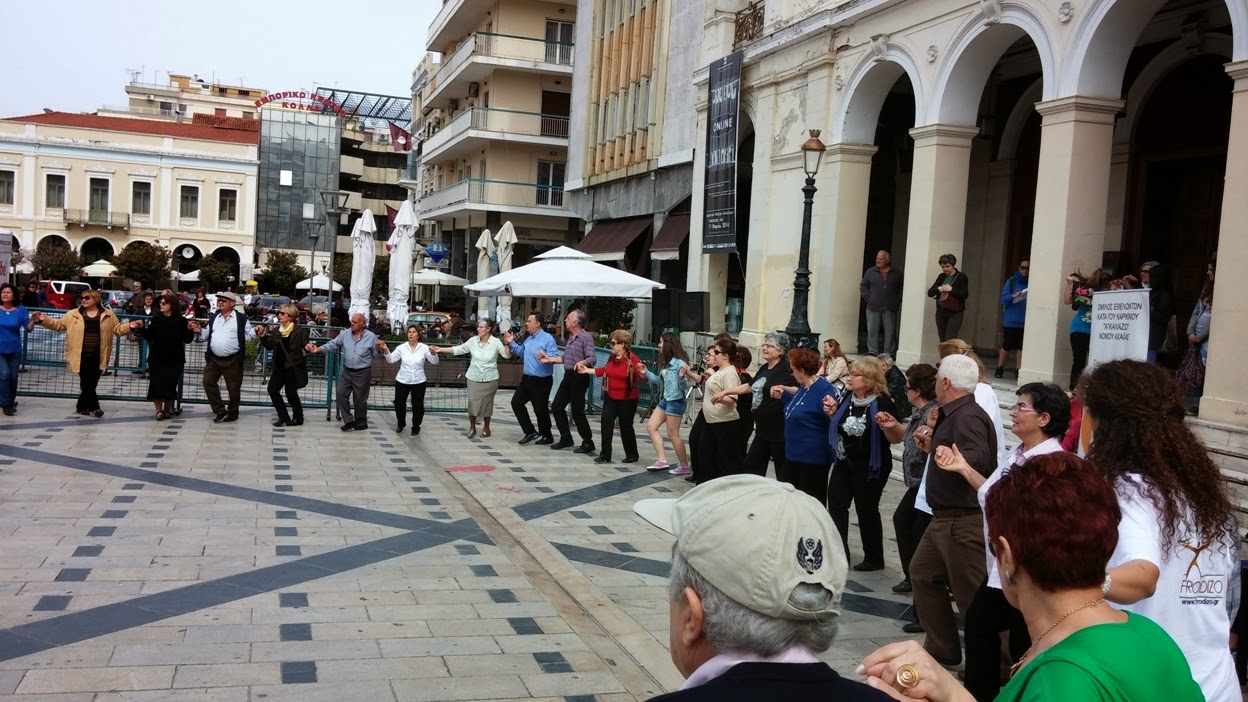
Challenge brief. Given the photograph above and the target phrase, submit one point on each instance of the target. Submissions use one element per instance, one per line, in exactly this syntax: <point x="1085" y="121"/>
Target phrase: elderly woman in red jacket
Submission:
<point x="621" y="376"/>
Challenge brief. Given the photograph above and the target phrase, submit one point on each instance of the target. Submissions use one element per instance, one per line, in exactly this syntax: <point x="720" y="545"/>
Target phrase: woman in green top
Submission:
<point x="1053" y="523"/>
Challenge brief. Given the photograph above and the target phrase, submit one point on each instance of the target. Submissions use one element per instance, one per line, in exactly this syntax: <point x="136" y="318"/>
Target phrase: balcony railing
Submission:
<point x="497" y="120"/>
<point x="101" y="218"/>
<point x="504" y="46"/>
<point x="749" y="24"/>
<point x="494" y="192"/>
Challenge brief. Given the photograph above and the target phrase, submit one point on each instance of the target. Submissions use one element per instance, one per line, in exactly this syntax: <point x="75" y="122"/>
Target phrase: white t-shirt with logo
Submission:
<point x="1190" y="602"/>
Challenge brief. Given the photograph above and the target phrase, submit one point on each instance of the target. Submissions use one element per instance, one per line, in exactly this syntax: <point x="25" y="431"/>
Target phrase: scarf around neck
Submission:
<point x="875" y="461"/>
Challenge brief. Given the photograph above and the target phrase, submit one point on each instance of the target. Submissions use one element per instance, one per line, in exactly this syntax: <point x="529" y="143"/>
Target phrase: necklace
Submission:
<point x="797" y="400"/>
<point x="1038" y="639"/>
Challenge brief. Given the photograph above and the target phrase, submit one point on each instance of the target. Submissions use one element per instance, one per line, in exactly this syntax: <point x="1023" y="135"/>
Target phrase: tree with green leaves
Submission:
<point x="282" y="271"/>
<point x="57" y="263"/>
<point x="215" y="274"/>
<point x="606" y="313"/>
<point x="143" y="262"/>
<point x="381" y="274"/>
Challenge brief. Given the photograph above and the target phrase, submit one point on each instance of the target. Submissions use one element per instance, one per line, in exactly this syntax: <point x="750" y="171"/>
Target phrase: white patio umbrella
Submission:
<point x="99" y="269"/>
<point x="402" y="248"/>
<point x="432" y="276"/>
<point x="192" y="277"/>
<point x="505" y="242"/>
<point x="565" y="272"/>
<point x="485" y="248"/>
<point x="320" y="281"/>
<point x="364" y="256"/>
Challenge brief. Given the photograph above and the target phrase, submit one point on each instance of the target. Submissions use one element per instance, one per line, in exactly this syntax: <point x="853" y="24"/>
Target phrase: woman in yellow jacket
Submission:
<point x="89" y="332"/>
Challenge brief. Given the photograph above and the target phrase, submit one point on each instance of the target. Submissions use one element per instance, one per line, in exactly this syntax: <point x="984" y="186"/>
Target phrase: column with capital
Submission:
<point x="837" y="254"/>
<point x="1072" y="198"/>
<point x="938" y="185"/>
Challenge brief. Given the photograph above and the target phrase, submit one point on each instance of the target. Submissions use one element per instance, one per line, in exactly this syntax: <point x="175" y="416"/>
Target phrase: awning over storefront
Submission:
<point x="666" y="246"/>
<point x="608" y="240"/>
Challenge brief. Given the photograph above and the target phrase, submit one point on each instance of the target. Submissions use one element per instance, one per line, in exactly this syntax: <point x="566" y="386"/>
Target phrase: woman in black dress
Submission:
<point x="290" y="370"/>
<point x="202" y="309"/>
<point x="167" y="334"/>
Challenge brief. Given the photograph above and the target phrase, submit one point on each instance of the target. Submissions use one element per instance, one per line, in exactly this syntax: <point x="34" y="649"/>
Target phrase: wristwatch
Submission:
<point x="1109" y="580"/>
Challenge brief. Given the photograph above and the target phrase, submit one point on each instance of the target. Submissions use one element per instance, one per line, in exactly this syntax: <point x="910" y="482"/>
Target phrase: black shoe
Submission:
<point x="1193" y="412"/>
<point x="349" y="426"/>
<point x="631" y="459"/>
<point x="231" y="417"/>
<point x="97" y="413"/>
<point x="1000" y="372"/>
<point x="602" y="459"/>
<point x="562" y="444"/>
<point x="865" y="567"/>
<point x="280" y="423"/>
<point x="10" y="411"/>
<point x="361" y="425"/>
<point x="220" y="417"/>
<point x="529" y="438"/>
<point x="903" y="587"/>
<point x="544" y="441"/>
<point x="912" y="628"/>
<point x="399" y="429"/>
<point x="297" y="421"/>
<point x="587" y="447"/>
<point x="415" y="431"/>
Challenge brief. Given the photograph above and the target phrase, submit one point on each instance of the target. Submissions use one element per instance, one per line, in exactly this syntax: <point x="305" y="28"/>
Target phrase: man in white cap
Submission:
<point x="757" y="575"/>
<point x="226" y="332"/>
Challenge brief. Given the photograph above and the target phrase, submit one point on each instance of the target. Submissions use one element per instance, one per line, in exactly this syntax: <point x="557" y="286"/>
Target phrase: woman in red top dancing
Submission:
<point x="620" y="375"/>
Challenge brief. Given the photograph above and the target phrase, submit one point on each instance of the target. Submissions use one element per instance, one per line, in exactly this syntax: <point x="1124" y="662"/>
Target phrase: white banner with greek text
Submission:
<point x="1119" y="326"/>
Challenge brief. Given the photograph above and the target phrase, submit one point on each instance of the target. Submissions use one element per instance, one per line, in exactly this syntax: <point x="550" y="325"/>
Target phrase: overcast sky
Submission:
<point x="74" y="55"/>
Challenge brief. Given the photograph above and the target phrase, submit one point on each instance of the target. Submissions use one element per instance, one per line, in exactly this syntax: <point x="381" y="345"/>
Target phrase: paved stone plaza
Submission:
<point x="184" y="560"/>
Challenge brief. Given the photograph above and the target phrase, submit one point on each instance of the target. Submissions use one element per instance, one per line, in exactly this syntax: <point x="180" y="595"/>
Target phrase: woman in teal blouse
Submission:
<point x="1053" y="524"/>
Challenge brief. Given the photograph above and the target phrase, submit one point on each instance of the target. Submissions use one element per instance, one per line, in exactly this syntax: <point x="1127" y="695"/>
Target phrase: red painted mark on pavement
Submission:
<point x="470" y="469"/>
<point x="510" y="489"/>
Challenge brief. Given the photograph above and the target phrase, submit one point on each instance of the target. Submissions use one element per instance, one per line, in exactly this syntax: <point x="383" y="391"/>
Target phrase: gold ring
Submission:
<point x="908" y="677"/>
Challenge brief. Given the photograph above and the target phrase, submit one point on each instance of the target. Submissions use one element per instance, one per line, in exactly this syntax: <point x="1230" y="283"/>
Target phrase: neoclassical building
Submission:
<point x="1075" y="133"/>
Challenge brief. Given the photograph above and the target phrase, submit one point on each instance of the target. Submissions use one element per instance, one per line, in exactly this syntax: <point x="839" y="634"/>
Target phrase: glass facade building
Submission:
<point x="299" y="157"/>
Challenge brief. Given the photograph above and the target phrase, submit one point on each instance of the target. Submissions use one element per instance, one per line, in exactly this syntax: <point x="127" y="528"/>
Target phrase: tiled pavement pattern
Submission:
<point x="187" y="560"/>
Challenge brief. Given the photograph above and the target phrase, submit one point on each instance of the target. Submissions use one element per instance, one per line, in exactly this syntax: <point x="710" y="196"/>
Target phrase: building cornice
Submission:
<point x="7" y="141"/>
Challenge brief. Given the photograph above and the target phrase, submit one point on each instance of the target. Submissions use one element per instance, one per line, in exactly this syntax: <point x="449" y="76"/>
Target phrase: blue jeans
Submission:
<point x="876" y="318"/>
<point x="8" y="377"/>
<point x="672" y="408"/>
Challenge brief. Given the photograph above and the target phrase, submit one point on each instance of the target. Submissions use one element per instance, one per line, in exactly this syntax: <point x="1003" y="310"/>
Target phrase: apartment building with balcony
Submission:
<point x="494" y="124"/>
<point x="96" y="183"/>
<point x="181" y="97"/>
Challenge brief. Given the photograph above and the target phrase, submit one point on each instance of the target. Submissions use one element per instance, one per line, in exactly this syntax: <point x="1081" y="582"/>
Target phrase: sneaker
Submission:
<point x="1000" y="372"/>
<point x="680" y="470"/>
<point x="658" y="465"/>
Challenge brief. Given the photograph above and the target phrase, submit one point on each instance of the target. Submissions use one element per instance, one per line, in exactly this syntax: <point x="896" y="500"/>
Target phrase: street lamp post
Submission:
<point x="798" y="330"/>
<point x="335" y="202"/>
<point x="313" y="228"/>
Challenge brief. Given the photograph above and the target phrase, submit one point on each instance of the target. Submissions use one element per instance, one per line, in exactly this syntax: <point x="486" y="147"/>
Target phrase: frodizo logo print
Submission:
<point x="809" y="554"/>
<point x="1210" y="588"/>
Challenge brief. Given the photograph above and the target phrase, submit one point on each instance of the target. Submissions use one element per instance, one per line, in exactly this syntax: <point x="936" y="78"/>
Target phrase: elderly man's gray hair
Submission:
<point x="733" y="627"/>
<point x="961" y="371"/>
<point x="486" y="321"/>
<point x="579" y="317"/>
<point x="886" y="359"/>
<point x="779" y="339"/>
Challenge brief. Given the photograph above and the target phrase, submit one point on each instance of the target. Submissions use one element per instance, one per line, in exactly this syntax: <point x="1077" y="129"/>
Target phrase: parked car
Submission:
<point x="428" y="319"/>
<point x="262" y="305"/>
<point x="116" y="299"/>
<point x="305" y="304"/>
<point x="63" y="294"/>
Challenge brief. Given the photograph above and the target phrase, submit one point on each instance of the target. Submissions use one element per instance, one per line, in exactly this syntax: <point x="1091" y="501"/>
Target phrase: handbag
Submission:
<point x="948" y="301"/>
<point x="1191" y="373"/>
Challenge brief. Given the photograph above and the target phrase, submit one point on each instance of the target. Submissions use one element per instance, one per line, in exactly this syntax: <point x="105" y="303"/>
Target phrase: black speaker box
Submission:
<point x="695" y="311"/>
<point x="665" y="307"/>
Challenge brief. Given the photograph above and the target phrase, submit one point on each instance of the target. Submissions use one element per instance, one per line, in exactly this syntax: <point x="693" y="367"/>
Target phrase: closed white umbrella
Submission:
<point x="402" y="248"/>
<point x="320" y="281"/>
<point x="485" y="249"/>
<point x="364" y="256"/>
<point x="505" y="242"/>
<point x="432" y="276"/>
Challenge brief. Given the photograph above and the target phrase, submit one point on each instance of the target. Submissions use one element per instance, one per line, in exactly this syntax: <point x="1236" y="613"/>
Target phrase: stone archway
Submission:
<point x="228" y="255"/>
<point x="186" y="258"/>
<point x="857" y="116"/>
<point x="96" y="249"/>
<point x="51" y="241"/>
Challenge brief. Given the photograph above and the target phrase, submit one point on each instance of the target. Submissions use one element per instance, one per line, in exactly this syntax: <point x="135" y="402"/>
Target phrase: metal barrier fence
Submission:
<point x="45" y="375"/>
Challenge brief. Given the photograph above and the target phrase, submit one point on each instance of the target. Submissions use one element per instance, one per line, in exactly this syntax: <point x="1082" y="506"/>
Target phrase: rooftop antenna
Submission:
<point x="135" y="73"/>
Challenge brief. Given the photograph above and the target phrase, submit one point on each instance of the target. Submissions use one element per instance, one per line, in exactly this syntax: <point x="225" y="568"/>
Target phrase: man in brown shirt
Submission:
<point x="950" y="556"/>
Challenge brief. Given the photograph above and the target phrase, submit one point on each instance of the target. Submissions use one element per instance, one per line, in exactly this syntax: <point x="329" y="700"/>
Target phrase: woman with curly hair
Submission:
<point x="1177" y="556"/>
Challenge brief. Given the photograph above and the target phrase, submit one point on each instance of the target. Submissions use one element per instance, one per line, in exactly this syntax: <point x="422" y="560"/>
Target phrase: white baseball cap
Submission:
<point x="755" y="539"/>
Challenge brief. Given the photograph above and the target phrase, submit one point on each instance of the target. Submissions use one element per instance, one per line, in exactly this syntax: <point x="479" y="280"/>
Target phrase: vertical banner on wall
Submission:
<point x="719" y="233"/>
<point x="6" y="254"/>
<point x="1119" y="331"/>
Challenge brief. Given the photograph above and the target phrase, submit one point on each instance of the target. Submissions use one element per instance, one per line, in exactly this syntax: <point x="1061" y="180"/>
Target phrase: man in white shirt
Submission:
<point x="226" y="334"/>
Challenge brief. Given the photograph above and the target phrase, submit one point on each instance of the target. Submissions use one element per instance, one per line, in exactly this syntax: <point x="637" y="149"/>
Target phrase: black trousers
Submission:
<point x="989" y="615"/>
<point x="909" y="525"/>
<point x="284" y="379"/>
<point x="948" y="323"/>
<point x="719" y="446"/>
<point x="694" y="445"/>
<point x="1079" y="344"/>
<point x="626" y="412"/>
<point x="88" y="380"/>
<point x="572" y="391"/>
<point x="536" y="391"/>
<point x="417" y="393"/>
<point x="810" y="478"/>
<point x="849" y="483"/>
<point x="762" y="451"/>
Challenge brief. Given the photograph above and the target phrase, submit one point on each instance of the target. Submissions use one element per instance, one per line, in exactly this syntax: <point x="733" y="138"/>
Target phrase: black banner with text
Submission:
<point x="719" y="233"/>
